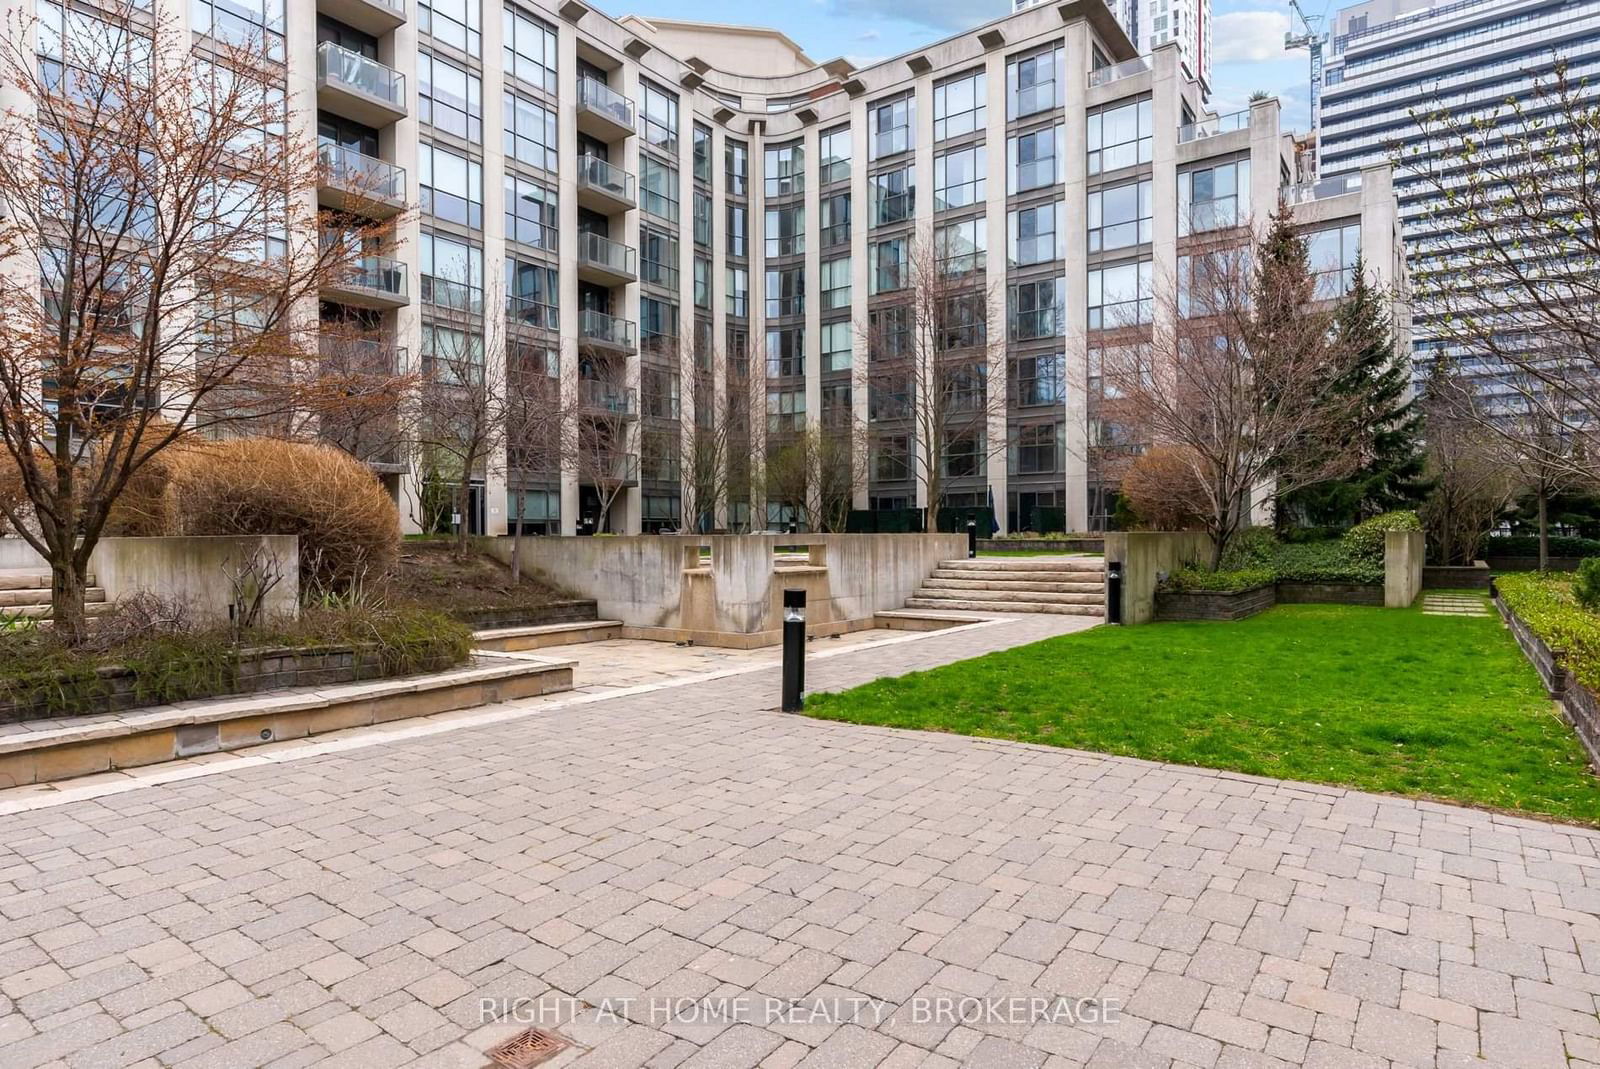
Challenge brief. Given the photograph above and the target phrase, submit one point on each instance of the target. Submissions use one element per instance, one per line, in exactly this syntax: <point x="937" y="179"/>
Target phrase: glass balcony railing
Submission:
<point x="347" y="354"/>
<point x="1327" y="187"/>
<point x="353" y="71"/>
<point x="379" y="274"/>
<point x="596" y="96"/>
<point x="527" y="312"/>
<point x="1213" y="125"/>
<point x="612" y="256"/>
<point x="355" y="172"/>
<point x="1127" y="68"/>
<point x="606" y="329"/>
<point x="604" y="397"/>
<point x="596" y="174"/>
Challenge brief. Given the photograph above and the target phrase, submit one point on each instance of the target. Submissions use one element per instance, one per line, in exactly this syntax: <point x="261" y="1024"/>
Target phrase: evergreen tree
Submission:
<point x="1392" y="474"/>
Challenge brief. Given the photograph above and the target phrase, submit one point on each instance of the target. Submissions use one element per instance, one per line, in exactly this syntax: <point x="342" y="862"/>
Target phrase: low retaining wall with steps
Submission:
<point x="1228" y="605"/>
<point x="576" y="610"/>
<point x="522" y="639"/>
<point x="80" y="746"/>
<point x="1068" y="586"/>
<point x="25" y="593"/>
<point x="1053" y="545"/>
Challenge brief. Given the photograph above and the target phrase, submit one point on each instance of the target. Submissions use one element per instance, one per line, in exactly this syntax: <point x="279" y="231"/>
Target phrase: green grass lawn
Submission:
<point x="1385" y="700"/>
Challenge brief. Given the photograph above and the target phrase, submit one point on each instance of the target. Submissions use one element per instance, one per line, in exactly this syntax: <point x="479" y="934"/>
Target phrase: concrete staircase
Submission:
<point x="26" y="592"/>
<point x="1067" y="586"/>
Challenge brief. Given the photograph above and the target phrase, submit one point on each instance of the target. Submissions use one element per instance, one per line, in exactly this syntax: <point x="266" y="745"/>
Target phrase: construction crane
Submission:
<point x="1312" y="39"/>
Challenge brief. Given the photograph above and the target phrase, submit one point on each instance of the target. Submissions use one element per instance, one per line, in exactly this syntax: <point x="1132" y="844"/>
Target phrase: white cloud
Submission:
<point x="938" y="14"/>
<point x="1248" y="36"/>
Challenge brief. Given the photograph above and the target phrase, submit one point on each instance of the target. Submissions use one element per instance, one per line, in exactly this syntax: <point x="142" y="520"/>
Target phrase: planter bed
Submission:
<point x="552" y="612"/>
<point x="1578" y="704"/>
<point x="1296" y="592"/>
<point x="1214" y="604"/>
<point x="1055" y="545"/>
<point x="1531" y="564"/>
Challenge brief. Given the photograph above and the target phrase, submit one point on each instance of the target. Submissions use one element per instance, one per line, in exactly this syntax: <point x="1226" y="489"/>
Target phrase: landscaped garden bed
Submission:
<point x="1561" y="639"/>
<point x="1196" y="594"/>
<point x="477" y="589"/>
<point x="1389" y="700"/>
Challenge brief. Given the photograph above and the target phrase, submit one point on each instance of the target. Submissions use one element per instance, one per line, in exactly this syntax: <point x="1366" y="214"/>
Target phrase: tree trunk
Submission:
<point x="516" y="544"/>
<point x="67" y="615"/>
<point x="462" y="496"/>
<point x="1544" y="528"/>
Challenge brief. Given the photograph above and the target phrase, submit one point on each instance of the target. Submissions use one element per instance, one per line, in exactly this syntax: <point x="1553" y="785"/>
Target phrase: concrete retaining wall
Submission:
<point x="1146" y="556"/>
<point x="190" y="568"/>
<point x="728" y="589"/>
<point x="1402" y="567"/>
<point x="1215" y="604"/>
<point x="1293" y="592"/>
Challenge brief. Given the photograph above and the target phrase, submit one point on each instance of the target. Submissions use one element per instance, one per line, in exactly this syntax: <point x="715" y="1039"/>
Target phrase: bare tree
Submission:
<point x="1472" y="484"/>
<point x="1244" y="385"/>
<point x="535" y="412"/>
<point x="814" y="469"/>
<point x="1515" y="209"/>
<point x="365" y="382"/>
<point x="599" y="447"/>
<point x="937" y="358"/>
<point x="159" y="244"/>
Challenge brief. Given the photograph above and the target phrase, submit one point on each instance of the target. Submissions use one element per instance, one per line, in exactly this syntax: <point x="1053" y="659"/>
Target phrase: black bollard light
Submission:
<point x="794" y="649"/>
<point x="1114" y="592"/>
<point x="972" y="539"/>
<point x="794" y="528"/>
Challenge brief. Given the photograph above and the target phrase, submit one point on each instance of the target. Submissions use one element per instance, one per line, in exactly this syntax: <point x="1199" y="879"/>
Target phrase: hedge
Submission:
<point x="1546" y="605"/>
<point x="1528" y="546"/>
<point x="1190" y="579"/>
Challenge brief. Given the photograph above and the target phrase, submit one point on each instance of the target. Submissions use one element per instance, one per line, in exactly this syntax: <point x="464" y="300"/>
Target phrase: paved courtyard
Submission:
<point x="815" y="894"/>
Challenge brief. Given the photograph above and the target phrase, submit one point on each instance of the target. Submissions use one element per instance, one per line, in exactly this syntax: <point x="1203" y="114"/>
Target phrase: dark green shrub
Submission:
<point x="1190" y="579"/>
<point x="1250" y="548"/>
<point x="1528" y="546"/>
<point x="1325" y="562"/>
<point x="1365" y="540"/>
<point x="1586" y="583"/>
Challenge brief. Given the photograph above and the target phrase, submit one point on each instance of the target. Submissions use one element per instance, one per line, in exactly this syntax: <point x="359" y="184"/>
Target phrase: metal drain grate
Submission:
<point x="526" y="1049"/>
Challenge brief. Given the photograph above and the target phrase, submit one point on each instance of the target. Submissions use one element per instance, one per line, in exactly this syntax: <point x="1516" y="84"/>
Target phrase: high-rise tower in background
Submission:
<point x="1152" y="23"/>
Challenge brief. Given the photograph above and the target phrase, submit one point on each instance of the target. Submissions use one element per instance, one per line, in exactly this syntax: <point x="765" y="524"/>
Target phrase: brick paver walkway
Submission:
<point x="357" y="908"/>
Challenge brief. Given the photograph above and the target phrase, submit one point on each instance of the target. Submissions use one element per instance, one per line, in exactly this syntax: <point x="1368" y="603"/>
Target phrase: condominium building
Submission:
<point x="693" y="227"/>
<point x="1150" y="24"/>
<point x="1394" y="61"/>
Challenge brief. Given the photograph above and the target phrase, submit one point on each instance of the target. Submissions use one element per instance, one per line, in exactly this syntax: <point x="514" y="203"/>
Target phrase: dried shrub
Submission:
<point x="348" y="527"/>
<point x="1165" y="489"/>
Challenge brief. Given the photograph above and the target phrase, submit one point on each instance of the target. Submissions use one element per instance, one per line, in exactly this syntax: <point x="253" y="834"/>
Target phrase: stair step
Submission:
<point x="991" y="594"/>
<point x="1006" y="606"/>
<point x="42" y="612"/>
<point x="943" y="575"/>
<point x="27" y="579"/>
<point x="14" y="598"/>
<point x="1026" y="564"/>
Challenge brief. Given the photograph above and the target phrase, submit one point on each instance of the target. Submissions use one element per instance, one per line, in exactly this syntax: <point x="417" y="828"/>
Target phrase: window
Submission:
<point x="1127" y="364"/>
<point x="738" y="291"/>
<point x="658" y="258"/>
<point x="889" y="127"/>
<point x="959" y="106"/>
<point x="658" y="185"/>
<point x="529" y="49"/>
<point x="889" y="396"/>
<point x="253" y="24"/>
<point x="786" y="352"/>
<point x="963" y="321"/>
<point x="658" y="323"/>
<point x="835" y="211"/>
<point x="736" y="162"/>
<point x="892" y="195"/>
<point x="836" y="346"/>
<point x="453" y="357"/>
<point x="530" y="132"/>
<point x="1332" y="258"/>
<point x="889" y="331"/>
<point x="888" y="266"/>
<point x="661" y="390"/>
<point x="786" y="230"/>
<point x="958" y="178"/>
<point x="1035" y="448"/>
<point x="835" y="284"/>
<point x="702" y="219"/>
<point x="1213" y="198"/>
<point x="1120" y="137"/>
<point x="452" y="185"/>
<point x="452" y="273"/>
<point x="456" y="23"/>
<point x="702" y="153"/>
<point x="891" y="458"/>
<point x="785" y="174"/>
<point x="1033" y="236"/>
<point x="1120" y="295"/>
<point x="833" y="151"/>
<point x="532" y="295"/>
<point x="738" y="217"/>
<point x="786" y="411"/>
<point x="963" y="454"/>
<point x="702" y="282"/>
<point x="660" y="117"/>
<point x="962" y="247"/>
<point x="1120" y="216"/>
<point x="1033" y="83"/>
<point x="1031" y="158"/>
<point x="1038" y="380"/>
<point x="531" y="215"/>
<point x="786" y="291"/>
<point x="1038" y="309"/>
<point x="450" y="98"/>
<point x="836" y="405"/>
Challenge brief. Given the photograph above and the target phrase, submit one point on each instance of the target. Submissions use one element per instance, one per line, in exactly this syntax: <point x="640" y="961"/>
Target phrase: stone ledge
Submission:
<point x="923" y="619"/>
<point x="41" y="751"/>
<point x="517" y="639"/>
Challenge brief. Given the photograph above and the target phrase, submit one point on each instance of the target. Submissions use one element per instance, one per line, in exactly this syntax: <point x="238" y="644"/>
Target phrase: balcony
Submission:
<point x="359" y="88"/>
<point x="608" y="262"/>
<point x="604" y="188"/>
<point x="1336" y="186"/>
<point x="370" y="282"/>
<point x="353" y="182"/>
<point x="603" y="113"/>
<point x="605" y="399"/>
<point x="376" y="17"/>
<point x="1126" y="69"/>
<point x="529" y="313"/>
<point x="1212" y="125"/>
<point x="606" y="331"/>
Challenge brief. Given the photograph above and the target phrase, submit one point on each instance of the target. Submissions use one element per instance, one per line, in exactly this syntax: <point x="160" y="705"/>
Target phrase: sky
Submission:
<point x="1247" y="35"/>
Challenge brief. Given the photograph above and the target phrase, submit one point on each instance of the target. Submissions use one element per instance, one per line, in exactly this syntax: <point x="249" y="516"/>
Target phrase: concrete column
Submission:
<point x="398" y="144"/>
<point x="996" y="268"/>
<point x="860" y="357"/>
<point x="719" y="307"/>
<point x="495" y="513"/>
<point x="567" y="206"/>
<point x="627" y="511"/>
<point x="813" y="275"/>
<point x="756" y="245"/>
<point x="922" y="254"/>
<point x="1073" y="222"/>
